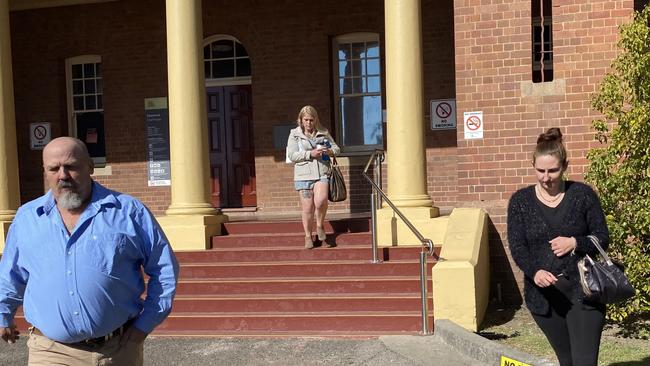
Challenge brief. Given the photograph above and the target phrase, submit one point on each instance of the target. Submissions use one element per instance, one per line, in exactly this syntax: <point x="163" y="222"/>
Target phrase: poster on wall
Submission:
<point x="40" y="133"/>
<point x="157" y="120"/>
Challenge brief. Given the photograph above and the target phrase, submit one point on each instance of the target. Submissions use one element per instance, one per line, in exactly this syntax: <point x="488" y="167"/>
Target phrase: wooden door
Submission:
<point x="232" y="156"/>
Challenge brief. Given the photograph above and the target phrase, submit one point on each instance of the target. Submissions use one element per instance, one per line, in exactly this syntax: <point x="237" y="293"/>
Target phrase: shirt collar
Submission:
<point x="100" y="197"/>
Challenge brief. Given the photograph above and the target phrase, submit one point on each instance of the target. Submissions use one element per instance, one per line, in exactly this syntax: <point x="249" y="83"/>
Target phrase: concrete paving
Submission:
<point x="450" y="345"/>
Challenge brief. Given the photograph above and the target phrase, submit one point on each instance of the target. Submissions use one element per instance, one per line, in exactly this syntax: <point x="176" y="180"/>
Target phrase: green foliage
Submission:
<point x="620" y="169"/>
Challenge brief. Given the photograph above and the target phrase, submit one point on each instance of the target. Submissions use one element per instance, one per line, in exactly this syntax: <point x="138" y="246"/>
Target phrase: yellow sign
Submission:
<point x="505" y="361"/>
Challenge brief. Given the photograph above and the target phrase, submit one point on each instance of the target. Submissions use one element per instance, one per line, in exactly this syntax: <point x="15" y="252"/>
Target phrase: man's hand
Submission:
<point x="10" y="334"/>
<point x="132" y="334"/>
<point x="544" y="278"/>
<point x="562" y="245"/>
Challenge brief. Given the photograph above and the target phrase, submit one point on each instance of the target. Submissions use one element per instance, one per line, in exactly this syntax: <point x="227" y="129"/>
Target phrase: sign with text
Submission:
<point x="158" y="157"/>
<point x="40" y="133"/>
<point x="443" y="114"/>
<point x="505" y="361"/>
<point x="473" y="125"/>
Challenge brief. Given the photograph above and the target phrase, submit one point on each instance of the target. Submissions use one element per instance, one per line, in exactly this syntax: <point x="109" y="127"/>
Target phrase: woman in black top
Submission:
<point x="548" y="225"/>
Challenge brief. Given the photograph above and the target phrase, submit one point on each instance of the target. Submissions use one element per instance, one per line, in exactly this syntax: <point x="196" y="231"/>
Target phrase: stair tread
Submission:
<point x="275" y="248"/>
<point x="282" y="314"/>
<point x="276" y="296"/>
<point x="278" y="333"/>
<point x="300" y="279"/>
<point x="296" y="263"/>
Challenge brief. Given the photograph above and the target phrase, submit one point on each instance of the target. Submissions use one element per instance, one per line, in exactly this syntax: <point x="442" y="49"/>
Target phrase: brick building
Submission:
<point x="88" y="67"/>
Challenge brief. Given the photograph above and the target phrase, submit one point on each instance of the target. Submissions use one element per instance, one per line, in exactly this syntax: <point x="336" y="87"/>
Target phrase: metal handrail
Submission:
<point x="378" y="157"/>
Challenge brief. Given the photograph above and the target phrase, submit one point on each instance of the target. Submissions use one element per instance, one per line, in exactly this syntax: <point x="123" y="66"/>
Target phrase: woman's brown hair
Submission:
<point x="550" y="143"/>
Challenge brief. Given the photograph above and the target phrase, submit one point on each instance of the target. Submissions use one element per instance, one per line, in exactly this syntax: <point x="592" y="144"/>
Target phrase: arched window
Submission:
<point x="224" y="57"/>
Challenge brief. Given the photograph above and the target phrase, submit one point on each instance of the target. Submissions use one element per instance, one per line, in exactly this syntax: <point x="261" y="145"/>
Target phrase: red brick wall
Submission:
<point x="493" y="60"/>
<point x="289" y="45"/>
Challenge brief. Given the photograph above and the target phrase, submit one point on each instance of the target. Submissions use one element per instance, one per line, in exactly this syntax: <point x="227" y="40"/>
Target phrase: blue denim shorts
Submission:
<point x="309" y="184"/>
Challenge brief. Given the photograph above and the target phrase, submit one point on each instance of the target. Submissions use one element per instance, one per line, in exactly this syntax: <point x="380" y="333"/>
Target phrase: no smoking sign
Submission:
<point x="473" y="125"/>
<point x="443" y="114"/>
<point x="40" y="134"/>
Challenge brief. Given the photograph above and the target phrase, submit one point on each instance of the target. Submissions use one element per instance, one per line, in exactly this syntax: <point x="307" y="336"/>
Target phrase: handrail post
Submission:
<point x="373" y="216"/>
<point x="423" y="293"/>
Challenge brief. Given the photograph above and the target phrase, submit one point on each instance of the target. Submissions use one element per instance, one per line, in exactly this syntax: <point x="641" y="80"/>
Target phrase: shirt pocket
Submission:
<point x="107" y="251"/>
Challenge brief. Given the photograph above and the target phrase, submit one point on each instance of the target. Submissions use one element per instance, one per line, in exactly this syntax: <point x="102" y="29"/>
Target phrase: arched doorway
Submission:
<point x="230" y="122"/>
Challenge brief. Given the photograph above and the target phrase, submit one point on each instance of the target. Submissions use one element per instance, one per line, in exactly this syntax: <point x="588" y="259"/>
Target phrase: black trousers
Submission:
<point x="573" y="329"/>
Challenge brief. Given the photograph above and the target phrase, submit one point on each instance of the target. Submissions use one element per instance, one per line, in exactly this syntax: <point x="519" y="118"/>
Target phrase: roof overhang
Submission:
<point x="38" y="4"/>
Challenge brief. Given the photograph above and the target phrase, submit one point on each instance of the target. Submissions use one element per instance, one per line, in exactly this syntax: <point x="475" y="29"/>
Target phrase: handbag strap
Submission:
<point x="596" y="243"/>
<point x="334" y="162"/>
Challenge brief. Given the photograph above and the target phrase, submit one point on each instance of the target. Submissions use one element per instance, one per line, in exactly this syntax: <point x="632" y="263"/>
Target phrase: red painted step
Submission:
<point x="297" y="239"/>
<point x="389" y="322"/>
<point x="299" y="269"/>
<point x="276" y="227"/>
<point x="328" y="285"/>
<point x="296" y="302"/>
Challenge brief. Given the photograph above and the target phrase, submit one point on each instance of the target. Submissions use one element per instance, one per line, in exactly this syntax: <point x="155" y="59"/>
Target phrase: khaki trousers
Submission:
<point x="44" y="351"/>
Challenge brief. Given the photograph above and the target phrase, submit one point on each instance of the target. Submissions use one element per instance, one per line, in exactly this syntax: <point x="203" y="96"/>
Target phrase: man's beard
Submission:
<point x="69" y="200"/>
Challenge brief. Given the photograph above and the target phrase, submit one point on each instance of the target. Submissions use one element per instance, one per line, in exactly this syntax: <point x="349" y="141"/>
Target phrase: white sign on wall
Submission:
<point x="443" y="114"/>
<point x="473" y="125"/>
<point x="40" y="133"/>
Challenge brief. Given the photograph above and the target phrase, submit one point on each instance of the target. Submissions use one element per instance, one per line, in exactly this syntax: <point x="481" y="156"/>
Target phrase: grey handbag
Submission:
<point x="604" y="281"/>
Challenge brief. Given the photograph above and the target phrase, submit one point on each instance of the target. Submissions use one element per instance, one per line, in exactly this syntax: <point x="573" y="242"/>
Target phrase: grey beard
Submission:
<point x="70" y="200"/>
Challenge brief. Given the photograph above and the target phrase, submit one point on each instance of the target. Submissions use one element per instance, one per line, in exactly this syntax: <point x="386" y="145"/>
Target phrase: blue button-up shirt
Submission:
<point x="87" y="283"/>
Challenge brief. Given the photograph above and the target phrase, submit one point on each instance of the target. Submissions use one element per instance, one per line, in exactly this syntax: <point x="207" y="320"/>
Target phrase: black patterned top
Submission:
<point x="529" y="233"/>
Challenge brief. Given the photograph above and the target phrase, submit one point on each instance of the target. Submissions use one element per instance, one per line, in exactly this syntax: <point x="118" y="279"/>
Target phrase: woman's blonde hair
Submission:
<point x="310" y="111"/>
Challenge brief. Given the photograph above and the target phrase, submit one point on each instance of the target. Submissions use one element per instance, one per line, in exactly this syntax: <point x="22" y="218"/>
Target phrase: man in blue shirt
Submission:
<point x="74" y="259"/>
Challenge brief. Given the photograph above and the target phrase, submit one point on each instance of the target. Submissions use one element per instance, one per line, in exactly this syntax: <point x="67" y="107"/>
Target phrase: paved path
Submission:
<point x="392" y="350"/>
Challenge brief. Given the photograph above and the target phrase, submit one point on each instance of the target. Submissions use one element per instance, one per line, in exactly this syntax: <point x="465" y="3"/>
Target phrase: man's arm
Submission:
<point x="13" y="281"/>
<point x="162" y="268"/>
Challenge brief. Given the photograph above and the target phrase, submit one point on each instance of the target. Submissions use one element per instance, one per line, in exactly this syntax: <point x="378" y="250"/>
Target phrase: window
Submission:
<point x="224" y="57"/>
<point x="357" y="66"/>
<point x="542" y="41"/>
<point x="85" y="88"/>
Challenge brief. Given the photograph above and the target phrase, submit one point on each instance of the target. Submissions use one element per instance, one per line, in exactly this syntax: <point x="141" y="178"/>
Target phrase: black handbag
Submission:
<point x="604" y="281"/>
<point x="337" y="191"/>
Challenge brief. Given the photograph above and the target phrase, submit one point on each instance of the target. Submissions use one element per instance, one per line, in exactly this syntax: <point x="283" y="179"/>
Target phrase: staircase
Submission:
<point x="258" y="280"/>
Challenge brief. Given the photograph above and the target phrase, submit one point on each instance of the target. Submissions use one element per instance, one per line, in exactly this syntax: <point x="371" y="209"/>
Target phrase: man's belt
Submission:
<point x="90" y="342"/>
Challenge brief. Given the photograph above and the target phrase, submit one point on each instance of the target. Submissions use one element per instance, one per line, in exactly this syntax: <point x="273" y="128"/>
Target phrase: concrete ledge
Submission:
<point x="481" y="349"/>
<point x="461" y="282"/>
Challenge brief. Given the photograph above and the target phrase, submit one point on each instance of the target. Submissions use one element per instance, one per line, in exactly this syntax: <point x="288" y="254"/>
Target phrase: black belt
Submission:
<point x="90" y="342"/>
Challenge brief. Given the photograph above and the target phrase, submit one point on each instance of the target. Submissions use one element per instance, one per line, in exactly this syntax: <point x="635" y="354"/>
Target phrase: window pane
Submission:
<point x="344" y="69"/>
<point x="78" y="103"/>
<point x="346" y="85"/>
<point x="89" y="86"/>
<point x="90" y="102"/>
<point x="99" y="102"/>
<point x="76" y="71"/>
<point x="98" y="70"/>
<point x="206" y="52"/>
<point x="358" y="50"/>
<point x="243" y="67"/>
<point x="77" y="87"/>
<point x="361" y="119"/>
<point x="100" y="86"/>
<point x="357" y="85"/>
<point x="206" y="66"/>
<point x="374" y="84"/>
<point x="344" y="51"/>
<point x="240" y="50"/>
<point x="223" y="49"/>
<point x="356" y="68"/>
<point x="223" y="69"/>
<point x="89" y="70"/>
<point x="372" y="66"/>
<point x="372" y="49"/>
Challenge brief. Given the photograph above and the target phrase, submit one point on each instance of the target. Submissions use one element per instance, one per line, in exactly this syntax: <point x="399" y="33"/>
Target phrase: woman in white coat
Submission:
<point x="311" y="147"/>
